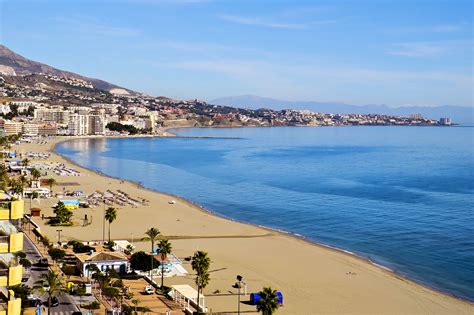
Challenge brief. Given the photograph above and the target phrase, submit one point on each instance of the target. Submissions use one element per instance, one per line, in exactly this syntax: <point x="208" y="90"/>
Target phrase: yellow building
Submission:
<point x="11" y="242"/>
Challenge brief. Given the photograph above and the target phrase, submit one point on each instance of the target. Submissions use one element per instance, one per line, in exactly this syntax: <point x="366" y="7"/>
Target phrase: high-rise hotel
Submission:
<point x="11" y="242"/>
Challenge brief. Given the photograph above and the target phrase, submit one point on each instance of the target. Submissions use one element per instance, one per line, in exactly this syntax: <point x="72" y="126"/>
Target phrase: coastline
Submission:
<point x="326" y="249"/>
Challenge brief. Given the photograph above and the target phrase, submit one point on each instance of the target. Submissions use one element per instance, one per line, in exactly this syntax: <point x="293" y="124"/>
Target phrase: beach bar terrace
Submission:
<point x="186" y="296"/>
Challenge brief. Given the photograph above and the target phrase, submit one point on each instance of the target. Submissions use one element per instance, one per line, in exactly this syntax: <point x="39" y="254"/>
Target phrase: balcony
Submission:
<point x="11" y="239"/>
<point x="12" y="210"/>
<point x="9" y="305"/>
<point x="11" y="275"/>
<point x="11" y="243"/>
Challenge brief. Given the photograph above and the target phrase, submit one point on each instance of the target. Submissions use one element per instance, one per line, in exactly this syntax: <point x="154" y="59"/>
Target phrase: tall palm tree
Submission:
<point x="23" y="180"/>
<point x="50" y="283"/>
<point x="201" y="263"/>
<point x="164" y="249"/>
<point x="110" y="216"/>
<point x="151" y="235"/>
<point x="51" y="182"/>
<point x="268" y="302"/>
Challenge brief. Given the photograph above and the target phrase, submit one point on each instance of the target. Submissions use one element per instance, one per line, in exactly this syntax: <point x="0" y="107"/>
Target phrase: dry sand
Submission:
<point x="314" y="279"/>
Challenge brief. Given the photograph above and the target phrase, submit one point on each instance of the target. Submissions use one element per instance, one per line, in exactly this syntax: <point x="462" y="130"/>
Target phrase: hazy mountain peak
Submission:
<point x="460" y="114"/>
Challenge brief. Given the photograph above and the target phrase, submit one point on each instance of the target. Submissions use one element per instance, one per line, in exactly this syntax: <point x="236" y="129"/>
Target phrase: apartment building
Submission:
<point x="52" y="115"/>
<point x="12" y="127"/>
<point x="78" y="125"/>
<point x="11" y="242"/>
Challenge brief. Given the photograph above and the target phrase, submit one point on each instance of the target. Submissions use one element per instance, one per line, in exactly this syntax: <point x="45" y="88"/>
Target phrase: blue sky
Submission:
<point x="359" y="52"/>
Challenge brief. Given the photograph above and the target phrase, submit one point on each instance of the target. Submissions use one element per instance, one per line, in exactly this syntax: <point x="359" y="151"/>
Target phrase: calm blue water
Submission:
<point x="400" y="196"/>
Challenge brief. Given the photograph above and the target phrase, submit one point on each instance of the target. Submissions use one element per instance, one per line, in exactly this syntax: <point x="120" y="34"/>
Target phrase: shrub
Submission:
<point x="70" y="270"/>
<point x="78" y="247"/>
<point x="56" y="254"/>
<point x="94" y="305"/>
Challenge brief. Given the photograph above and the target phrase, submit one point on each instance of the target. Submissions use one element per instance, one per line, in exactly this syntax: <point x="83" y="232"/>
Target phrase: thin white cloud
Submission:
<point x="427" y="49"/>
<point x="96" y="27"/>
<point x="258" y="21"/>
<point x="440" y="28"/>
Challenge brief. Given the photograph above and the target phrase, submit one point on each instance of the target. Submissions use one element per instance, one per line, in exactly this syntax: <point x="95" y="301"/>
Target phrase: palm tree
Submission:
<point x="50" y="283"/>
<point x="110" y="216"/>
<point x="92" y="269"/>
<point x="25" y="162"/>
<point x="135" y="303"/>
<point x="164" y="249"/>
<point x="268" y="302"/>
<point x="35" y="173"/>
<point x="151" y="235"/>
<point x="23" y="180"/>
<point x="51" y="182"/>
<point x="200" y="264"/>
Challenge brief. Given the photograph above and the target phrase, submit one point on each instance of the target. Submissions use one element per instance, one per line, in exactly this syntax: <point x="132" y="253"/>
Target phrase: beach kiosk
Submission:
<point x="255" y="297"/>
<point x="35" y="212"/>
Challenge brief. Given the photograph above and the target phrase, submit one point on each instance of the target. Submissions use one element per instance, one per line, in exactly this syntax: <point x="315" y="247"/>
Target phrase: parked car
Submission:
<point x="149" y="289"/>
<point x="54" y="302"/>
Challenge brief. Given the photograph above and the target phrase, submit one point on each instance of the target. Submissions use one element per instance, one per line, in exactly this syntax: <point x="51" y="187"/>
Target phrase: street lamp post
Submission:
<point x="59" y="236"/>
<point x="103" y="224"/>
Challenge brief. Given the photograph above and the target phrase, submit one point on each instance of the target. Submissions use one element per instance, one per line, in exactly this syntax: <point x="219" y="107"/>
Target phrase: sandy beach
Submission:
<point x="313" y="279"/>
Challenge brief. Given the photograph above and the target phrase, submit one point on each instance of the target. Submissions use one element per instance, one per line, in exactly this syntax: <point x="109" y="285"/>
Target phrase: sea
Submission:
<point x="401" y="197"/>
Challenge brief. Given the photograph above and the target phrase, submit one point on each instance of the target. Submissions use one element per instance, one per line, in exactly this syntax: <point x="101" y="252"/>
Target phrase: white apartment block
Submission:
<point x="78" y="125"/>
<point x="81" y="125"/>
<point x="97" y="124"/>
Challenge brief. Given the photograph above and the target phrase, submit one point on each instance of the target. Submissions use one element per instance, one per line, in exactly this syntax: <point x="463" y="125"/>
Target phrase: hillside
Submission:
<point x="12" y="63"/>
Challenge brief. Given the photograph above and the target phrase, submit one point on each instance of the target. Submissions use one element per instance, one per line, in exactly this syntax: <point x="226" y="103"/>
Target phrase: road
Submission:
<point x="66" y="302"/>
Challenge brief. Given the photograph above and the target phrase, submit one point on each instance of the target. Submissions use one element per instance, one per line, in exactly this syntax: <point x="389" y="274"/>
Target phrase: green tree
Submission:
<point x="51" y="182"/>
<point x="110" y="216"/>
<point x="135" y="303"/>
<point x="50" y="283"/>
<point x="201" y="263"/>
<point x="63" y="214"/>
<point x="35" y="173"/>
<point x="268" y="303"/>
<point x="56" y="254"/>
<point x="16" y="187"/>
<point x="151" y="235"/>
<point x="144" y="262"/>
<point x="164" y="249"/>
<point x="26" y="263"/>
<point x="80" y="292"/>
<point x="92" y="269"/>
<point x="25" y="162"/>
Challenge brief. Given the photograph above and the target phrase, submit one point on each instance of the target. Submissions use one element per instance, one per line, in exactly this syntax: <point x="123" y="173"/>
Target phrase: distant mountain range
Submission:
<point x="459" y="114"/>
<point x="12" y="63"/>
